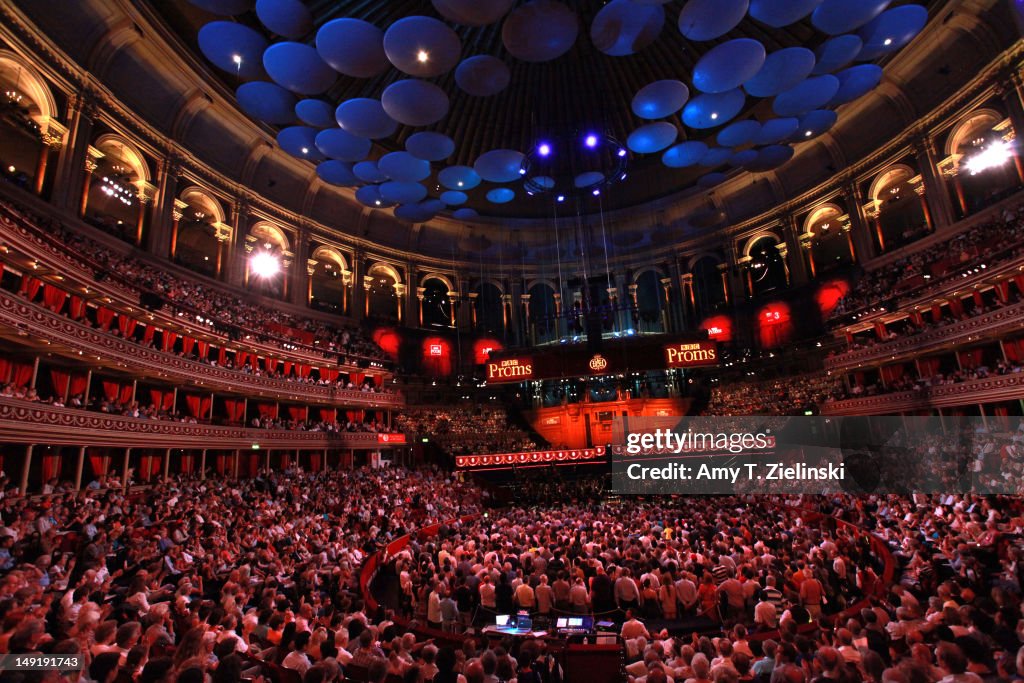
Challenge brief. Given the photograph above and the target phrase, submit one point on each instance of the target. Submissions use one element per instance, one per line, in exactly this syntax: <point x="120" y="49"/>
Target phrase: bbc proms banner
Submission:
<point x="616" y="357"/>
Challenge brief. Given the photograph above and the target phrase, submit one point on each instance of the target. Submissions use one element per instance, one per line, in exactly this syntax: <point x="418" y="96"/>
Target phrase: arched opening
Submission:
<point x="382" y="300"/>
<point x="327" y="282"/>
<point x="196" y="245"/>
<point x="649" y="303"/>
<point x="436" y="304"/>
<point x="708" y="285"/>
<point x="986" y="171"/>
<point x="114" y="187"/>
<point x="542" y="313"/>
<point x="488" y="309"/>
<point x="766" y="271"/>
<point x="830" y="246"/>
<point x="266" y="269"/>
<point x="26" y="107"/>
<point x="900" y="217"/>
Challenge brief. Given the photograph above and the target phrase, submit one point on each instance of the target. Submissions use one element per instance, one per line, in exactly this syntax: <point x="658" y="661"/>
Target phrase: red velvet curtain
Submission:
<point x="30" y="286"/>
<point x="198" y="406"/>
<point x="162" y="399"/>
<point x="1014" y="349"/>
<point x="122" y="393"/>
<point x="314" y="462"/>
<point x="60" y="381"/>
<point x="126" y="325"/>
<point x="105" y="317"/>
<point x="329" y="415"/>
<point x="267" y="409"/>
<point x="187" y="344"/>
<point x="51" y="466"/>
<point x="956" y="305"/>
<point x="970" y="359"/>
<point x="168" y="340"/>
<point x="329" y="374"/>
<point x="98" y="462"/>
<point x="270" y="364"/>
<point x="240" y="359"/>
<point x="79" y="383"/>
<point x="222" y="464"/>
<point x="355" y="415"/>
<point x="891" y="373"/>
<point x="54" y="298"/>
<point x="936" y="313"/>
<point x="298" y="413"/>
<point x="880" y="330"/>
<point x="1002" y="290"/>
<point x="1018" y="280"/>
<point x="235" y="408"/>
<point x="204" y="349"/>
<point x="288" y="367"/>
<point x="929" y="367"/>
<point x="304" y="370"/>
<point x="222" y="356"/>
<point x="252" y="464"/>
<point x="917" y="319"/>
<point x="76" y="309"/>
<point x="187" y="463"/>
<point x="356" y="378"/>
<point x="978" y="300"/>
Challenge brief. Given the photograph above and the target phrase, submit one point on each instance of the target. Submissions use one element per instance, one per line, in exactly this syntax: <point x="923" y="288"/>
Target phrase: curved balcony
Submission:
<point x="36" y="321"/>
<point x="988" y="325"/>
<point x="987" y="390"/>
<point x="25" y="422"/>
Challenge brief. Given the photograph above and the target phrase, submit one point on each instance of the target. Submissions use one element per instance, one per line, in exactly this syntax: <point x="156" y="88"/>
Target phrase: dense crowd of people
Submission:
<point x="466" y="429"/>
<point x="206" y="305"/>
<point x="982" y="245"/>
<point x="783" y="396"/>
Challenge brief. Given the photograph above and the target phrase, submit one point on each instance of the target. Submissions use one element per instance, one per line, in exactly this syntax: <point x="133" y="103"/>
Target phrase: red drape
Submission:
<point x="1014" y="349"/>
<point x="970" y="358"/>
<point x="880" y="330"/>
<point x="54" y="298"/>
<point x="51" y="466"/>
<point x="314" y="462"/>
<point x="162" y="399"/>
<point x="1018" y="280"/>
<point x="198" y="406"/>
<point x="329" y="374"/>
<point x="267" y="409"/>
<point x="1002" y="290"/>
<point x="148" y="334"/>
<point x="76" y="309"/>
<point x="122" y="393"/>
<point x="126" y="325"/>
<point x="356" y="378"/>
<point x="168" y="340"/>
<point x="891" y="373"/>
<point x="19" y="374"/>
<point x="105" y="317"/>
<point x="222" y="356"/>
<point x="929" y="366"/>
<point x="304" y="370"/>
<point x="252" y="464"/>
<point x="235" y="408"/>
<point x="30" y="286"/>
<point x="240" y="359"/>
<point x="298" y="413"/>
<point x="187" y="463"/>
<point x="222" y="464"/>
<point x="98" y="463"/>
<point x="956" y="305"/>
<point x="936" y="313"/>
<point x="60" y="381"/>
<point x="204" y="349"/>
<point x="187" y="344"/>
<point x="288" y="367"/>
<point x="355" y="415"/>
<point x="270" y="364"/>
<point x="978" y="300"/>
<point x="79" y="383"/>
<point x="329" y="415"/>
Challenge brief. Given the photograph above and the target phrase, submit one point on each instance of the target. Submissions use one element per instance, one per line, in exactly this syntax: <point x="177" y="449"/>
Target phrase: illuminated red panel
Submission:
<point x="482" y="347"/>
<point x="774" y="325"/>
<point x="829" y="295"/>
<point x="718" y="327"/>
<point x="388" y="339"/>
<point x="437" y="356"/>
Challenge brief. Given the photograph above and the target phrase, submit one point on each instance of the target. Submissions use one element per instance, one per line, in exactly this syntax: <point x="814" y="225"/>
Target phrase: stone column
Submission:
<point x="936" y="192"/>
<point x="163" y="229"/>
<point x="69" y="177"/>
<point x="865" y="246"/>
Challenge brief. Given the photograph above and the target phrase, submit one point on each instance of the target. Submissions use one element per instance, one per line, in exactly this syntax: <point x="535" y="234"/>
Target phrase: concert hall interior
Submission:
<point x="518" y="341"/>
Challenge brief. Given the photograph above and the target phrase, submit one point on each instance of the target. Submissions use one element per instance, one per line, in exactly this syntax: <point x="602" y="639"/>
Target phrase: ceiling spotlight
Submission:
<point x="544" y="149"/>
<point x="887" y="41"/>
<point x="522" y="171"/>
<point x="808" y="133"/>
<point x="561" y="197"/>
<point x="305" y="150"/>
<point x="622" y="177"/>
<point x="622" y="152"/>
<point x="264" y="264"/>
<point x="377" y="202"/>
<point x="237" y="59"/>
<point x="714" y="116"/>
<point x="422" y="56"/>
<point x="596" y="191"/>
<point x="590" y="141"/>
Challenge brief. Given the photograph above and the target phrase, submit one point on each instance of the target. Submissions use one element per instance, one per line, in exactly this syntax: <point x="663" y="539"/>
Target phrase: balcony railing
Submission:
<point x="40" y="423"/>
<point x="993" y="324"/>
<point x="37" y="321"/>
<point x="990" y="389"/>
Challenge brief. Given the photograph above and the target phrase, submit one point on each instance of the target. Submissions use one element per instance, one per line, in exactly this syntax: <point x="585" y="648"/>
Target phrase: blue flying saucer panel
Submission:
<point x="234" y="48"/>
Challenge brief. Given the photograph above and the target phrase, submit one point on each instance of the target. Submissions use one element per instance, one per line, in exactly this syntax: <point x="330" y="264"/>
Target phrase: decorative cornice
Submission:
<point x="988" y="390"/>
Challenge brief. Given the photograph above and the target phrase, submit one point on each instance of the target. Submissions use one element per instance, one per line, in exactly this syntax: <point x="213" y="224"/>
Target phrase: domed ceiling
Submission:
<point x="427" y="107"/>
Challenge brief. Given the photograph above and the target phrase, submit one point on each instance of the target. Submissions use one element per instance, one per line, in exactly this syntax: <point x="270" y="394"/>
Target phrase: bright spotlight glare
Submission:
<point x="422" y="56"/>
<point x="590" y="141"/>
<point x="264" y="264"/>
<point x="237" y="59"/>
<point x="544" y="149"/>
<point x="561" y="197"/>
<point x="996" y="154"/>
<point x="622" y="152"/>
